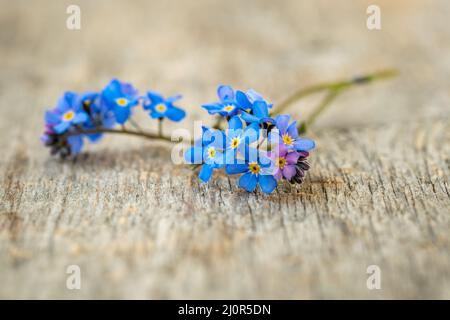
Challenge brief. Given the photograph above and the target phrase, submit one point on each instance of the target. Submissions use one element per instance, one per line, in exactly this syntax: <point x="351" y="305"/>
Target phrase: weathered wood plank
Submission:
<point x="140" y="227"/>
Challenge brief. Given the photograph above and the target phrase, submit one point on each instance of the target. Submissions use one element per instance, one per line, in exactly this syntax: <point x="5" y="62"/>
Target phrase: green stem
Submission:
<point x="160" y="132"/>
<point x="335" y="86"/>
<point x="326" y="102"/>
<point x="135" y="124"/>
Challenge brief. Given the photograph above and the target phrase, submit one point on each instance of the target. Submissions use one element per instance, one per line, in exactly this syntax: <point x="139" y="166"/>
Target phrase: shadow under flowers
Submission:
<point x="156" y="159"/>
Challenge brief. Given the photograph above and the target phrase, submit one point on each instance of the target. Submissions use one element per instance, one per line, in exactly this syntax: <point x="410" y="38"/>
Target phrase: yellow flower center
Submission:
<point x="228" y="108"/>
<point x="281" y="162"/>
<point x="254" y="168"/>
<point x="161" y="108"/>
<point x="287" y="139"/>
<point x="235" y="142"/>
<point x="122" y="102"/>
<point x="87" y="103"/>
<point x="69" y="115"/>
<point x="211" y="152"/>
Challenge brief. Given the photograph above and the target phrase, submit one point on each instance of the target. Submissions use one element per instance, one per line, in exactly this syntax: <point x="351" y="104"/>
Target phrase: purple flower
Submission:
<point x="67" y="113"/>
<point x="60" y="144"/>
<point x="288" y="134"/>
<point x="284" y="162"/>
<point x="301" y="167"/>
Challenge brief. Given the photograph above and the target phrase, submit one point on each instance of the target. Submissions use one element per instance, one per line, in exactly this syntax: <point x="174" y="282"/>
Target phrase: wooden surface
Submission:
<point x="138" y="226"/>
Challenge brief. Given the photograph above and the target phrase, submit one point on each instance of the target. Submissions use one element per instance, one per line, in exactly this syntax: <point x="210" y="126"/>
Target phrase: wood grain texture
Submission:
<point x="138" y="226"/>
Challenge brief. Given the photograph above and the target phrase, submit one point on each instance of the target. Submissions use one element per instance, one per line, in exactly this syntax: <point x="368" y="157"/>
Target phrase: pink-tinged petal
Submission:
<point x="289" y="171"/>
<point x="278" y="150"/>
<point x="304" y="153"/>
<point x="278" y="174"/>
<point x="282" y="150"/>
<point x="292" y="157"/>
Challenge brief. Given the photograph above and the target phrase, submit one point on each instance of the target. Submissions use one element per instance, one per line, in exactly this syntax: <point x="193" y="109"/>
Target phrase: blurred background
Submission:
<point x="190" y="47"/>
<point x="56" y="213"/>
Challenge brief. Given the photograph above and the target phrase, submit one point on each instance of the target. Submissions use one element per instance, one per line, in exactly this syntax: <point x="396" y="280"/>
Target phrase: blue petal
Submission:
<point x="122" y="114"/>
<point x="133" y="103"/>
<point x="112" y="90"/>
<point x="95" y="137"/>
<point x="80" y="118"/>
<point x="282" y="122"/>
<point x="128" y="89"/>
<point x="209" y="136"/>
<point x="212" y="106"/>
<point x="236" y="168"/>
<point x="254" y="96"/>
<point x="225" y="93"/>
<point x="267" y="183"/>
<point x="304" y="144"/>
<point x="248" y="181"/>
<point x="267" y="120"/>
<point x="260" y="109"/>
<point x="235" y="123"/>
<point x="230" y="157"/>
<point x="264" y="161"/>
<point x="292" y="130"/>
<point x="156" y="115"/>
<point x="247" y="117"/>
<point x="66" y="101"/>
<point x="206" y="172"/>
<point x="172" y="99"/>
<point x="250" y="154"/>
<point x="175" y="114"/>
<point x="219" y="139"/>
<point x="219" y="159"/>
<point x="251" y="133"/>
<point x="243" y="101"/>
<point x="194" y="155"/>
<point x="62" y="127"/>
<point x="155" y="97"/>
<point x="219" y="112"/>
<point x="108" y="120"/>
<point x="76" y="144"/>
<point x="52" y="118"/>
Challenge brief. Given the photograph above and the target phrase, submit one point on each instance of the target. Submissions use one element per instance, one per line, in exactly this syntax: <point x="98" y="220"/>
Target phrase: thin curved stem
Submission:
<point x="135" y="124"/>
<point x="160" y="131"/>
<point x="326" y="102"/>
<point x="334" y="86"/>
